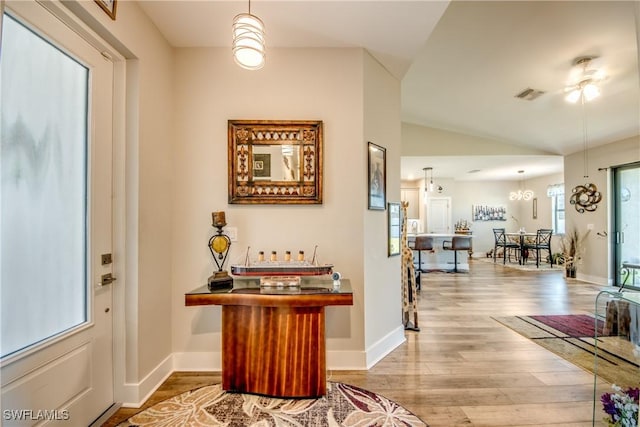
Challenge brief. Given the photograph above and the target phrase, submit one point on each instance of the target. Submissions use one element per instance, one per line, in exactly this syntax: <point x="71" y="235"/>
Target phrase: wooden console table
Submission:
<point x="273" y="340"/>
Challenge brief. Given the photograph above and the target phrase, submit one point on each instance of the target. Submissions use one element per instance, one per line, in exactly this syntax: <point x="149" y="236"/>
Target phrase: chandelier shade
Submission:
<point x="248" y="41"/>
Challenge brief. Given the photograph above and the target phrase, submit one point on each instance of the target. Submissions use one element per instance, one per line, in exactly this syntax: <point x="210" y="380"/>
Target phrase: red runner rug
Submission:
<point x="574" y="325"/>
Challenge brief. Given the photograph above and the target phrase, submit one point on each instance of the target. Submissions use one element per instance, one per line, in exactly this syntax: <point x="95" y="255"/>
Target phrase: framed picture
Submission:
<point x="262" y="165"/>
<point x="377" y="177"/>
<point x="535" y="208"/>
<point x="109" y="6"/>
<point x="395" y="220"/>
<point x="488" y="213"/>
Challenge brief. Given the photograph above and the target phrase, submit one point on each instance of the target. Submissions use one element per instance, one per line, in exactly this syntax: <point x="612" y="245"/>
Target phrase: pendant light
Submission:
<point x="248" y="41"/>
<point x="428" y="185"/>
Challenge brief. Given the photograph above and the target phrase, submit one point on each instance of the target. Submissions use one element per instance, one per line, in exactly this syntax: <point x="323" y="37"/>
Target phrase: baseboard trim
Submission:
<point x="384" y="346"/>
<point x="135" y="394"/>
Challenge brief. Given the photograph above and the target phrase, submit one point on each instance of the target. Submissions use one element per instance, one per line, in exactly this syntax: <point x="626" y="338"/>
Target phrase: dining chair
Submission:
<point x="540" y="244"/>
<point x="501" y="241"/>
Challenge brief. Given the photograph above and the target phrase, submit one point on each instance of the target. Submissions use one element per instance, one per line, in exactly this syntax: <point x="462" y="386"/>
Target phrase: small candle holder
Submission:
<point x="219" y="245"/>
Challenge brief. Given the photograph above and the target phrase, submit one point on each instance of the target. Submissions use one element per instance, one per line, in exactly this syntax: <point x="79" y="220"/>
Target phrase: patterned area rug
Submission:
<point x="572" y="339"/>
<point x="344" y="405"/>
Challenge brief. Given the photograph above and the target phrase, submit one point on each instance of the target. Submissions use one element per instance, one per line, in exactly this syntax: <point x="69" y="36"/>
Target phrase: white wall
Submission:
<point x="313" y="84"/>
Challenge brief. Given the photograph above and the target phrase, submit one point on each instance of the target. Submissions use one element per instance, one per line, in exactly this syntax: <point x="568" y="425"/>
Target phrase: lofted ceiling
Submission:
<point x="461" y="63"/>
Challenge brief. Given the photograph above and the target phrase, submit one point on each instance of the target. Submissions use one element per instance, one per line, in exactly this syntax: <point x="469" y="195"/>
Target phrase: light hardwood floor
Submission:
<point x="465" y="369"/>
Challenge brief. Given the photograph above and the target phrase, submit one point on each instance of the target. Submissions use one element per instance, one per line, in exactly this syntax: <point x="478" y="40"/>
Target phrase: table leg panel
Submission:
<point x="274" y="351"/>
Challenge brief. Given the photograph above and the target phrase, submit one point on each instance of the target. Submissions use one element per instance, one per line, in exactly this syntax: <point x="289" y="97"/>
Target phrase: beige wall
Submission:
<point x="320" y="84"/>
<point x="142" y="294"/>
<point x="383" y="291"/>
<point x="594" y="265"/>
<point x="415" y="138"/>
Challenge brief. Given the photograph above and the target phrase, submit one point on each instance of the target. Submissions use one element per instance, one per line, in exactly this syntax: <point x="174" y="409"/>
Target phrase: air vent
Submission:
<point x="530" y="94"/>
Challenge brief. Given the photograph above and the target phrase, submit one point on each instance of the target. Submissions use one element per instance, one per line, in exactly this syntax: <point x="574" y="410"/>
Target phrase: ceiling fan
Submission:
<point x="584" y="80"/>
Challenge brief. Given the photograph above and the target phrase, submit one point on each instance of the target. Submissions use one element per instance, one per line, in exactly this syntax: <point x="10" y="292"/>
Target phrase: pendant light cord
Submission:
<point x="584" y="137"/>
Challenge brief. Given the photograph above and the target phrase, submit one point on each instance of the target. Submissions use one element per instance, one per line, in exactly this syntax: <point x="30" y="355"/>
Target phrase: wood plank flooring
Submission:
<point x="465" y="369"/>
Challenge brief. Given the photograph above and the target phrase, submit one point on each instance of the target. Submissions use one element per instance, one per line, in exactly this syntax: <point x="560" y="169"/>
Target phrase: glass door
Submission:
<point x="626" y="185"/>
<point x="55" y="221"/>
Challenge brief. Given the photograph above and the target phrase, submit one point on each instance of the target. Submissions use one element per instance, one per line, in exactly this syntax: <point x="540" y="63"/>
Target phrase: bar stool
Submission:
<point x="457" y="243"/>
<point x="422" y="243"/>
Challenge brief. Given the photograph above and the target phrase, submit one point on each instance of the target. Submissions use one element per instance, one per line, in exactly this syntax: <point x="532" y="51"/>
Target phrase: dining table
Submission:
<point x="522" y="238"/>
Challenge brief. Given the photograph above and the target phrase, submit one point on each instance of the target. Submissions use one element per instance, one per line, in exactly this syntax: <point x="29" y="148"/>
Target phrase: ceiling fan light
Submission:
<point x="573" y="96"/>
<point x="591" y="91"/>
<point x="248" y="41"/>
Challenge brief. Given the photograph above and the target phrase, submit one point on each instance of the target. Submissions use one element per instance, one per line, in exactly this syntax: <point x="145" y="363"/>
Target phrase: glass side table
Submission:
<point x="616" y="345"/>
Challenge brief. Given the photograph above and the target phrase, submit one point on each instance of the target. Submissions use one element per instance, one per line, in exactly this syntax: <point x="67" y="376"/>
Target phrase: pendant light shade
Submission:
<point x="248" y="41"/>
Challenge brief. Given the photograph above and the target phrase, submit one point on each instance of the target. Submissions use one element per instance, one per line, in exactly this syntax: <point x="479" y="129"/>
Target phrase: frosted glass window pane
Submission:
<point x="43" y="164"/>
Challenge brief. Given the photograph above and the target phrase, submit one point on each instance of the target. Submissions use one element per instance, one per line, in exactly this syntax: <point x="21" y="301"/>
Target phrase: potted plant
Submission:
<point x="572" y="248"/>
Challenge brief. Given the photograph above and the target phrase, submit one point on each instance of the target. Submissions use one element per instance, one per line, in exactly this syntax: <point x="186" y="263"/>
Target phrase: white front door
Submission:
<point x="439" y="215"/>
<point x="55" y="222"/>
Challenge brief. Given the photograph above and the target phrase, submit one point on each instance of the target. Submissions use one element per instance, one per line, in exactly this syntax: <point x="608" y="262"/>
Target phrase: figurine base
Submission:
<point x="218" y="281"/>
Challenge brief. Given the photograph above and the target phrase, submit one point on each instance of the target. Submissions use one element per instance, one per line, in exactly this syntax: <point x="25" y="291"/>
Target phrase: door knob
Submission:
<point x="107" y="279"/>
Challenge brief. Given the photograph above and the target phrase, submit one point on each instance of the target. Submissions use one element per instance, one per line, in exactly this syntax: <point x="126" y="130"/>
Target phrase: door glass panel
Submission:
<point x="43" y="165"/>
<point x="627" y="225"/>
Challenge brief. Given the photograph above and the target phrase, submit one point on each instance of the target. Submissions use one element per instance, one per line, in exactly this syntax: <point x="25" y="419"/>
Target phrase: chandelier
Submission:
<point x="248" y="41"/>
<point x="521" y="194"/>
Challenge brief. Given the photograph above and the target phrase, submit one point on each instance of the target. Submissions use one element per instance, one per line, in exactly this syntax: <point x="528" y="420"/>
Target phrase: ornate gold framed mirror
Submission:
<point x="275" y="161"/>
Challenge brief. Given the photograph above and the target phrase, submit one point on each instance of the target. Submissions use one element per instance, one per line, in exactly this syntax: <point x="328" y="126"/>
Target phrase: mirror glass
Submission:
<point x="276" y="162"/>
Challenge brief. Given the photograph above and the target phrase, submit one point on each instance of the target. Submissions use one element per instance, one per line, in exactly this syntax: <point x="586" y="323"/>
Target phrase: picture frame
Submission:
<point x="275" y="161"/>
<point x="109" y="6"/>
<point x="535" y="208"/>
<point x="488" y="213"/>
<point x="377" y="177"/>
<point x="395" y="222"/>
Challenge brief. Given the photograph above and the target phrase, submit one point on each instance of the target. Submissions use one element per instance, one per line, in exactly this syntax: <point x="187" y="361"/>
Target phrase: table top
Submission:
<point x="438" y="235"/>
<point x="313" y="291"/>
<point x="518" y="233"/>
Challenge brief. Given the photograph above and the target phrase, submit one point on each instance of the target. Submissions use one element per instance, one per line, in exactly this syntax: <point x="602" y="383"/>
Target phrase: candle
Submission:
<point x="219" y="219"/>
